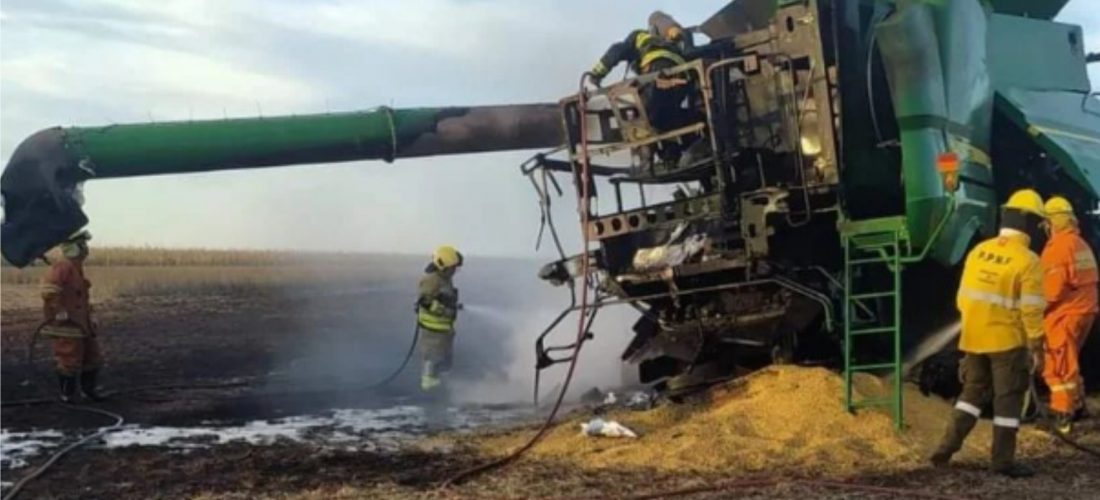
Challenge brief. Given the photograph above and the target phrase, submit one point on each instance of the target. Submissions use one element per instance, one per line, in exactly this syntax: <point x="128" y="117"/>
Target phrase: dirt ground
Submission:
<point x="256" y="338"/>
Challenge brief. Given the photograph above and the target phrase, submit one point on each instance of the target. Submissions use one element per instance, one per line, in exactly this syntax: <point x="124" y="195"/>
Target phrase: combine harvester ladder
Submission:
<point x="876" y="248"/>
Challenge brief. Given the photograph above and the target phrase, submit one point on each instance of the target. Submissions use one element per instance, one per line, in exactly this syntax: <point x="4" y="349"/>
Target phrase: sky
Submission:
<point x="96" y="62"/>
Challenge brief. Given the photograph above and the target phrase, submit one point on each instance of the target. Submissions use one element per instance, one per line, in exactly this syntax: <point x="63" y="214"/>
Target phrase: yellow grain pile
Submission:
<point x="778" y="418"/>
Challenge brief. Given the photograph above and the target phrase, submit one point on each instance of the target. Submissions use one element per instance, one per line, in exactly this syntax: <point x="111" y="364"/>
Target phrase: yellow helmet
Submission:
<point x="1058" y="206"/>
<point x="1027" y="200"/>
<point x="446" y="257"/>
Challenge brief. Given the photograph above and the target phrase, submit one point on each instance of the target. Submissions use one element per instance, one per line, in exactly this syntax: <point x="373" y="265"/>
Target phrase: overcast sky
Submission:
<point x="95" y="62"/>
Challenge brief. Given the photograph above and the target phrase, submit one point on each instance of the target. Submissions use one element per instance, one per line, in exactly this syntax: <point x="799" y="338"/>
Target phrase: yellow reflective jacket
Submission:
<point x="1001" y="296"/>
<point x="437" y="305"/>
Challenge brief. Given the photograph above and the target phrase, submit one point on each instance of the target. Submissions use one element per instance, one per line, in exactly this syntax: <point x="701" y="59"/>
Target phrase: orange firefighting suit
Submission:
<point x="1070" y="288"/>
<point x="65" y="290"/>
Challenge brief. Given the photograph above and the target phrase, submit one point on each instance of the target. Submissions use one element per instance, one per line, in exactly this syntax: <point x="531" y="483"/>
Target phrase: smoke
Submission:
<point x="350" y="334"/>
<point x="599" y="364"/>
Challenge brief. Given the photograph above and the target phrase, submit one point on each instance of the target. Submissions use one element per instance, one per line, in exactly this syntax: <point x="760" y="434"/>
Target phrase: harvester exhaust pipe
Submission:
<point x="41" y="183"/>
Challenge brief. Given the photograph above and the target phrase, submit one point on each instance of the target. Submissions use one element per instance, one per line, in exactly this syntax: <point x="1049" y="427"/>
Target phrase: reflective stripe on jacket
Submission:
<point x="437" y="303"/>
<point x="1069" y="275"/>
<point x="1000" y="297"/>
<point x="640" y="50"/>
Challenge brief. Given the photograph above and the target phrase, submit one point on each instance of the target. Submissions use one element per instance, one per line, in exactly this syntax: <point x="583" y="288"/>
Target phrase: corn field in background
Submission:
<point x="120" y="271"/>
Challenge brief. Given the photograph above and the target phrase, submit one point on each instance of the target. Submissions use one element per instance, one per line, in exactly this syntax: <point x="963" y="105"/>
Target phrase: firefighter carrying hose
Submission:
<point x="1070" y="287"/>
<point x="646" y="51"/>
<point x="1001" y="302"/>
<point x="436" y="310"/>
<point x="68" y="321"/>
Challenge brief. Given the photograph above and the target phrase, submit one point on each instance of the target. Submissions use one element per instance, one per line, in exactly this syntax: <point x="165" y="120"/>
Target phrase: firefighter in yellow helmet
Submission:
<point x="436" y="310"/>
<point x="646" y="51"/>
<point x="1001" y="302"/>
<point x="1070" y="287"/>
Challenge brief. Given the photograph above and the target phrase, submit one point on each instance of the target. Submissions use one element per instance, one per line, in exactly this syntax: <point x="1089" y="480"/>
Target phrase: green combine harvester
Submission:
<point x="838" y="159"/>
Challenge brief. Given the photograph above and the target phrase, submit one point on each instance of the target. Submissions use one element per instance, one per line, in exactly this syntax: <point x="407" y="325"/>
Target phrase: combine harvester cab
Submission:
<point x="837" y="160"/>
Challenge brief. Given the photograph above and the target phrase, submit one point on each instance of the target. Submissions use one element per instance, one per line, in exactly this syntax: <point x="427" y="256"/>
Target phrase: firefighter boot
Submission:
<point x="961" y="425"/>
<point x="1063" y="423"/>
<point x="1004" y="454"/>
<point x="88" y="385"/>
<point x="66" y="386"/>
<point x="428" y="378"/>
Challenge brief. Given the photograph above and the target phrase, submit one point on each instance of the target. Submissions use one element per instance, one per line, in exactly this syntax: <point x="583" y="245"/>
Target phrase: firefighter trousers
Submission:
<point x="1065" y="335"/>
<point x="436" y="348"/>
<point x="1002" y="377"/>
<point x="74" y="355"/>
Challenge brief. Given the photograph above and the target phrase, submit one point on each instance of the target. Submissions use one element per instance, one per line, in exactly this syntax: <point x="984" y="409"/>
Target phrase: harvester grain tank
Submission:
<point x="840" y="158"/>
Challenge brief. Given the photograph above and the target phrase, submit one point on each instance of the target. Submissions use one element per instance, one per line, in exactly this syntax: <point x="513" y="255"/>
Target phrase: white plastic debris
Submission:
<point x="606" y="428"/>
<point x="610" y="399"/>
<point x="668" y="255"/>
<point x="640" y="400"/>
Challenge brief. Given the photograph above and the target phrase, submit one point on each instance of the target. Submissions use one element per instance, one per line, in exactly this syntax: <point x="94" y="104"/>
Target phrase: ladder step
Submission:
<point x="874" y="366"/>
<point x="877" y="240"/>
<point x="873" y="260"/>
<point x="871" y="403"/>
<point x="875" y="295"/>
<point x="872" y="331"/>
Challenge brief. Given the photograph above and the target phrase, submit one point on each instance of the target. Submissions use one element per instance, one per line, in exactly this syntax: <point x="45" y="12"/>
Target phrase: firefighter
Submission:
<point x="68" y="321"/>
<point x="436" y="310"/>
<point x="1070" y="288"/>
<point x="1001" y="302"/>
<point x="649" y="51"/>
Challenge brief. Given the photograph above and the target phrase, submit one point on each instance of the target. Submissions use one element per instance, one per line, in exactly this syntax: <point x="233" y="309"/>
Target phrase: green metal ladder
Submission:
<point x="881" y="244"/>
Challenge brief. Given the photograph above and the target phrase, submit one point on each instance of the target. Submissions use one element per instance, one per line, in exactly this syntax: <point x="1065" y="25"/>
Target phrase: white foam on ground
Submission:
<point x="17" y="447"/>
<point x="349" y="429"/>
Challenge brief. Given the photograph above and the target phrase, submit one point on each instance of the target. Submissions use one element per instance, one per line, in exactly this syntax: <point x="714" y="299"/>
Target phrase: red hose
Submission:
<point x="582" y="206"/>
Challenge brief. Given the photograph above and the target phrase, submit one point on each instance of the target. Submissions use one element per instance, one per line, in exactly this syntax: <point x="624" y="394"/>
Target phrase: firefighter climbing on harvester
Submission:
<point x="1070" y="287"/>
<point x="660" y="47"/>
<point x="1001" y="302"/>
<point x="436" y="310"/>
<point x="68" y="321"/>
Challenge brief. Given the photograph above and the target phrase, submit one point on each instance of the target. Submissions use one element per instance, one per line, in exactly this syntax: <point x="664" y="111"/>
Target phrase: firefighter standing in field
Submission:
<point x="436" y="310"/>
<point x="1069" y="284"/>
<point x="1001" y="302"/>
<point x="68" y="321"/>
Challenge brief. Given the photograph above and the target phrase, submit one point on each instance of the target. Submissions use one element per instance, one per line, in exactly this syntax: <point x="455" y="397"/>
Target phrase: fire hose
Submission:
<point x="1032" y="396"/>
<point x="119" y="420"/>
<point x="583" y="207"/>
<point x="213" y="385"/>
<point x="18" y="487"/>
<point x="408" y="356"/>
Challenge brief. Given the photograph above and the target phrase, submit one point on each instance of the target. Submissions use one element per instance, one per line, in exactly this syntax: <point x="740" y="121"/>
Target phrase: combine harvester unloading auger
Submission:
<point x="837" y="160"/>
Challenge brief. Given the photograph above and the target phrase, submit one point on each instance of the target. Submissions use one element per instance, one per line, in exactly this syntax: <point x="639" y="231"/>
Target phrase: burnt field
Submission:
<point x="254" y="378"/>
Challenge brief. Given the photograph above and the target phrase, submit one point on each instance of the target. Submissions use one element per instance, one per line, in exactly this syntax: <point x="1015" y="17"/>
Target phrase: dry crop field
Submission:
<point x="121" y="271"/>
